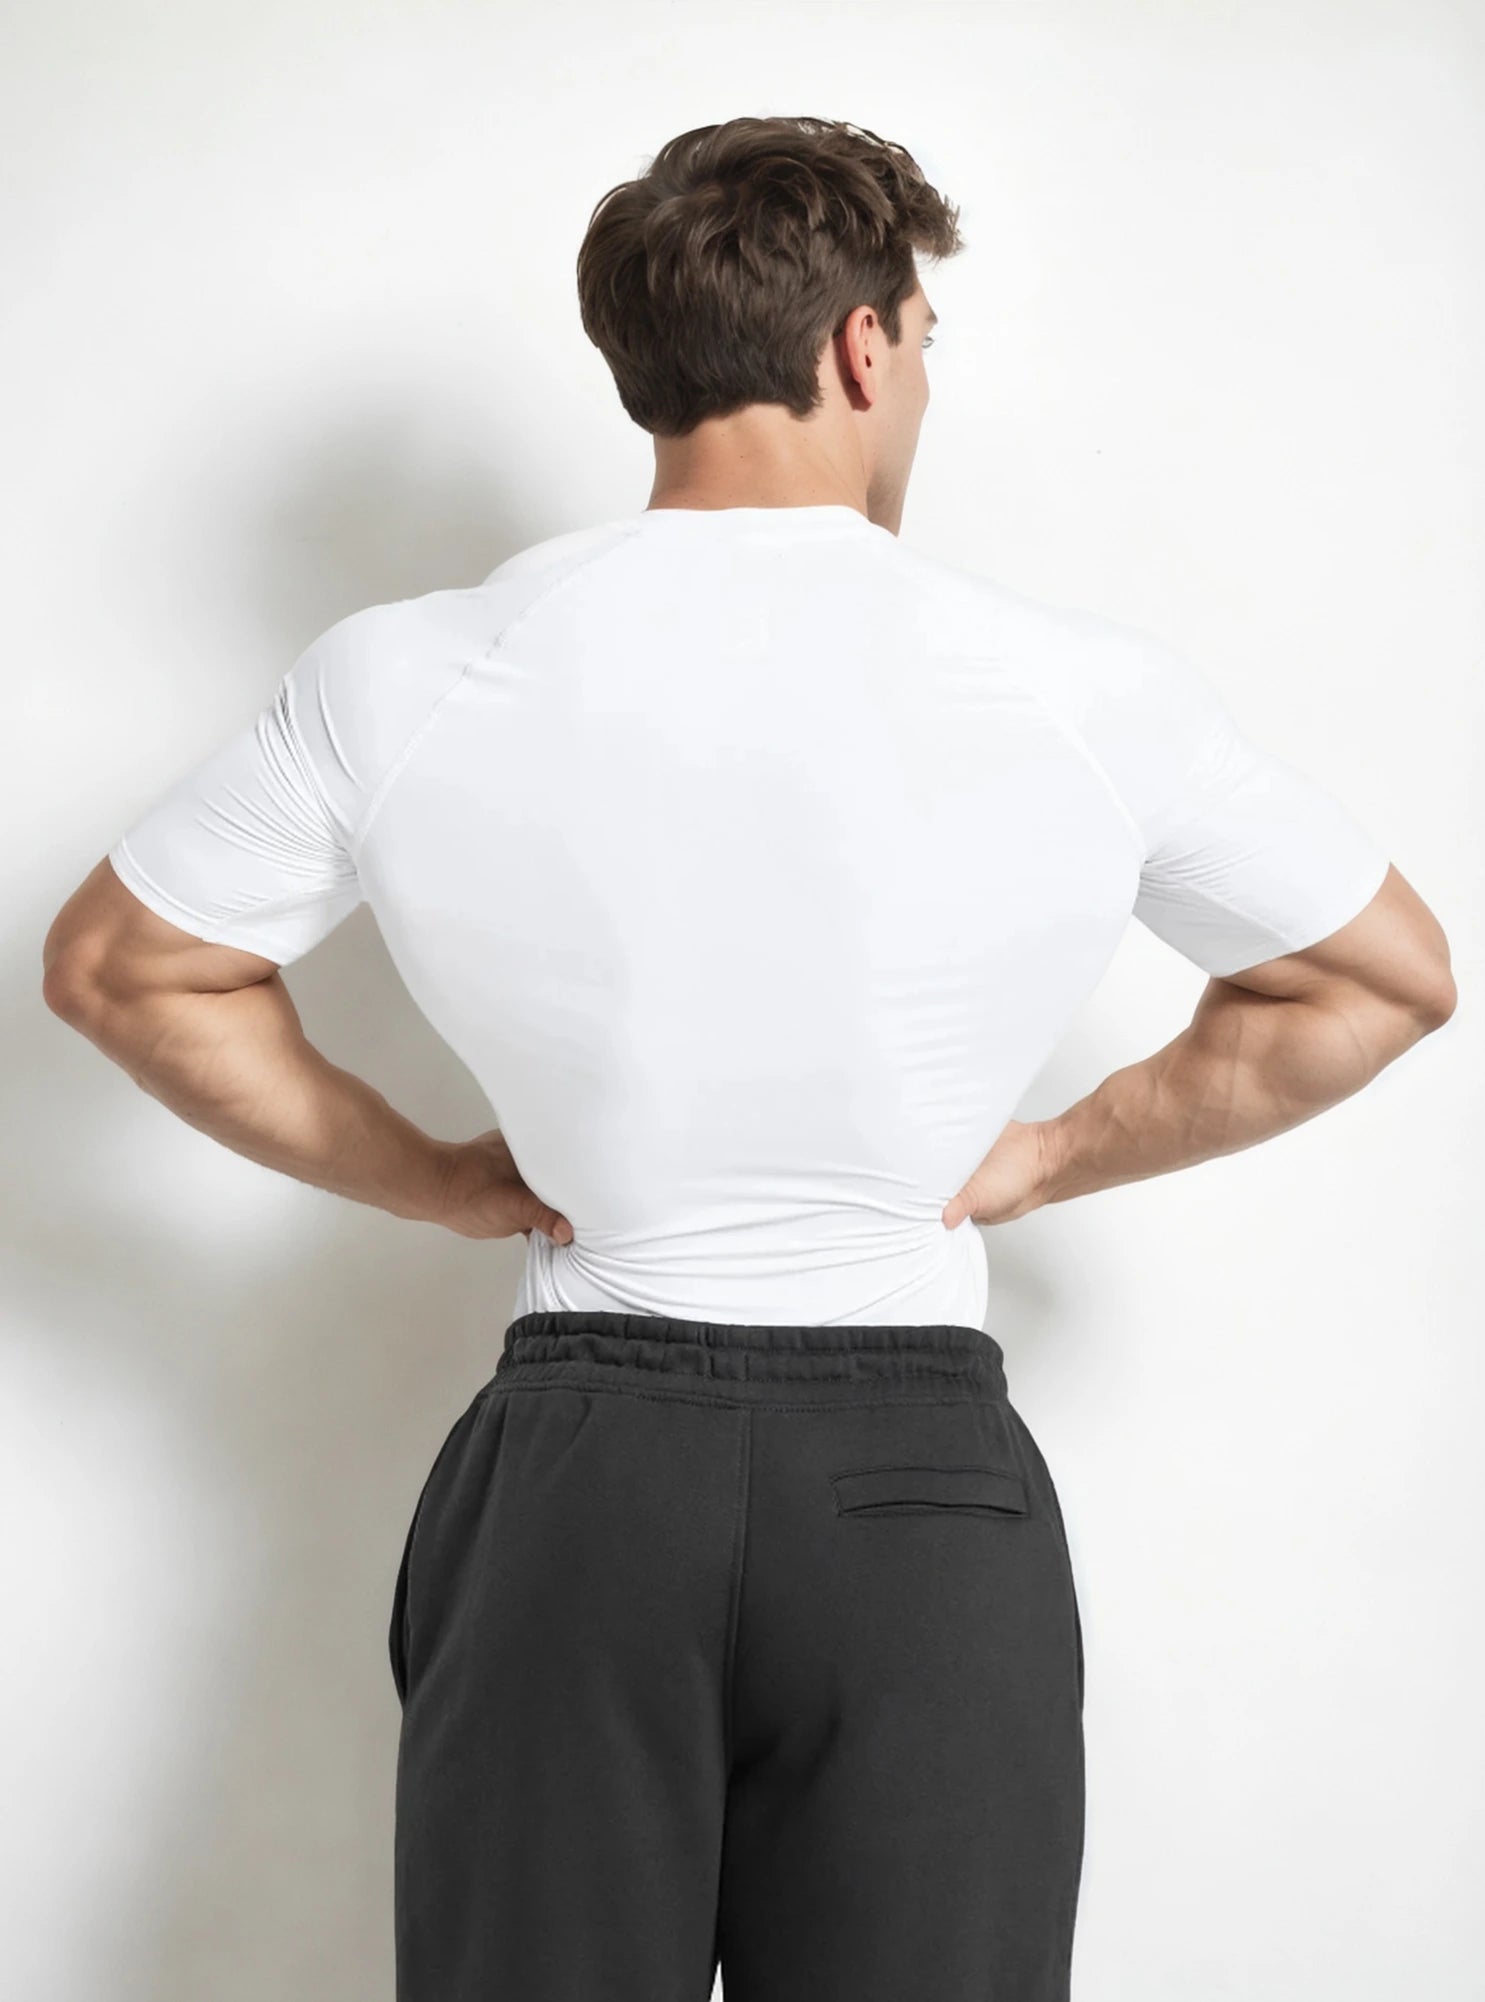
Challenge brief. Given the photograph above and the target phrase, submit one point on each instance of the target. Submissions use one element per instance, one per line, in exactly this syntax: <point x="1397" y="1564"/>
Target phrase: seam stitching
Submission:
<point x="739" y="1559"/>
<point x="735" y="1403"/>
<point x="1080" y="744"/>
<point x="357" y="837"/>
<point x="926" y="1467"/>
<point x="1281" y="937"/>
<point x="214" y="930"/>
<point x="934" y="1508"/>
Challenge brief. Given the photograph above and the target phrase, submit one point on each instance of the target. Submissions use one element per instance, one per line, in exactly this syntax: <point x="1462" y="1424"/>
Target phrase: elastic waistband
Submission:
<point x="741" y="1359"/>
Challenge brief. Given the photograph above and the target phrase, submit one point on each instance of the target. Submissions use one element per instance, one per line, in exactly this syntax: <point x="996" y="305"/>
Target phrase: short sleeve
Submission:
<point x="1253" y="859"/>
<point x="252" y="848"/>
<point x="1244" y="856"/>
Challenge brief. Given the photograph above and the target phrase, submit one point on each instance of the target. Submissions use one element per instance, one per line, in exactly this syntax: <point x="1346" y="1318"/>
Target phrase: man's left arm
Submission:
<point x="212" y="1032"/>
<point x="169" y="955"/>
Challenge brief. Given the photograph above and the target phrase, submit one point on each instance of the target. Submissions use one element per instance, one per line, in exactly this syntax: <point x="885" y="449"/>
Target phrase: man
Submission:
<point x="754" y="863"/>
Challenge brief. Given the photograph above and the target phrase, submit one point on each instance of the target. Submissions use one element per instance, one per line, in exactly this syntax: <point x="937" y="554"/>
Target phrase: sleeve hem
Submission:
<point x="149" y="893"/>
<point x="1336" y="913"/>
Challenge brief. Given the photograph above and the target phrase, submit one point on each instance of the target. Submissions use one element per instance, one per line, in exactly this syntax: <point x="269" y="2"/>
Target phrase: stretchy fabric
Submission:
<point x="754" y="864"/>
<point x="743" y="1646"/>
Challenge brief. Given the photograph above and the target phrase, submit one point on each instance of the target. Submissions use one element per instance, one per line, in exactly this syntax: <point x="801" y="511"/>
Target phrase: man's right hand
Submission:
<point x="1014" y="1177"/>
<point x="486" y="1195"/>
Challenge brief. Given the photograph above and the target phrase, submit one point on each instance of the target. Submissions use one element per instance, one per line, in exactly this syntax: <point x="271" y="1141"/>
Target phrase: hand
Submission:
<point x="1014" y="1177"/>
<point x="486" y="1196"/>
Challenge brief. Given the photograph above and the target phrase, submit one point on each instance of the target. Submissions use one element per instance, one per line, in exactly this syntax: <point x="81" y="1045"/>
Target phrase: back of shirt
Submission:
<point x="754" y="863"/>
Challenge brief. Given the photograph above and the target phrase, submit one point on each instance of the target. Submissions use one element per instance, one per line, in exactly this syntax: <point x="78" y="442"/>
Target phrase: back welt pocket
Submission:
<point x="920" y="1490"/>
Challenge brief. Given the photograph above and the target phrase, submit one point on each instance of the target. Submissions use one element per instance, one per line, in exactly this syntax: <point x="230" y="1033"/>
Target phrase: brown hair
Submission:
<point x="714" y="279"/>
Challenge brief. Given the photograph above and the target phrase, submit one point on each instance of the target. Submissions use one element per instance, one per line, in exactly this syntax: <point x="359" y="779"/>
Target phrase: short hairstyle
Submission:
<point x="714" y="279"/>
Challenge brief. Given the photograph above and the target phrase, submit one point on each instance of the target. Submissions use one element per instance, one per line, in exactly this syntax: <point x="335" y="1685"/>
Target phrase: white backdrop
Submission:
<point x="291" y="328"/>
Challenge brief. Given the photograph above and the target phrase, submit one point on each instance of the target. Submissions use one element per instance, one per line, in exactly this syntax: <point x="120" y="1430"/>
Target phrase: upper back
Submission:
<point x="754" y="863"/>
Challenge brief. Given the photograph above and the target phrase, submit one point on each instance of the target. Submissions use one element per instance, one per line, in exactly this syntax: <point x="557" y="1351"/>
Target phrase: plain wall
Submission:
<point x="291" y="328"/>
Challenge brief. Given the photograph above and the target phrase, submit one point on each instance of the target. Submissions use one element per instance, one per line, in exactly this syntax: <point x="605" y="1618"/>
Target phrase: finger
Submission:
<point x="553" y="1224"/>
<point x="953" y="1212"/>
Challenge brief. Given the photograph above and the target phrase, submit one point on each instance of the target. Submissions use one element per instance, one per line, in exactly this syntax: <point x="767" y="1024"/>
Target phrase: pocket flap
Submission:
<point x="986" y="1490"/>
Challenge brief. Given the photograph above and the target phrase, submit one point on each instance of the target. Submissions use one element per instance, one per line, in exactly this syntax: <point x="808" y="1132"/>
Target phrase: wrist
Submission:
<point x="426" y="1194"/>
<point x="1053" y="1160"/>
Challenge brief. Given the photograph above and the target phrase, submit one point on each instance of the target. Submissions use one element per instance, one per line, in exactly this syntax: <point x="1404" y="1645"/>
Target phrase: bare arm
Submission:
<point x="1265" y="1049"/>
<point x="212" y="1032"/>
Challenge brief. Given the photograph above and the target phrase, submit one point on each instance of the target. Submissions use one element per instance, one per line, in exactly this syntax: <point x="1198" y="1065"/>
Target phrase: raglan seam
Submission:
<point x="1081" y="745"/>
<point x="357" y="836"/>
<point x="1068" y="730"/>
<point x="1169" y="818"/>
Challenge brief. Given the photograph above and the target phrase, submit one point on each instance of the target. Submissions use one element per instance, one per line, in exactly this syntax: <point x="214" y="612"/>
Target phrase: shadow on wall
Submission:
<point x="240" y="1384"/>
<point x="390" y="500"/>
<point x="228" y="1386"/>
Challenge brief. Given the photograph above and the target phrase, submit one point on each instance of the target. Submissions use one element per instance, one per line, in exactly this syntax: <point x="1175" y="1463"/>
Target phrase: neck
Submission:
<point x="756" y="460"/>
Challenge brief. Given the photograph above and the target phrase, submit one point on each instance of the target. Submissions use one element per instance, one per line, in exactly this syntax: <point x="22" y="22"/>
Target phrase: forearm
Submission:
<point x="1249" y="1066"/>
<point x="237" y="1066"/>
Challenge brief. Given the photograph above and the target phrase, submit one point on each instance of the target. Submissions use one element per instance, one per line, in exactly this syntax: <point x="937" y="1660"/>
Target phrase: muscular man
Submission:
<point x="753" y="861"/>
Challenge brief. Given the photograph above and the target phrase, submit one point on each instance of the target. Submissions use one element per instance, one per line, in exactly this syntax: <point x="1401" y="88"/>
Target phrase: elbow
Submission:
<point x="62" y="973"/>
<point x="1425" y="996"/>
<point x="68" y="991"/>
<point x="1436" y="1002"/>
<point x="72" y="970"/>
<point x="1430" y="975"/>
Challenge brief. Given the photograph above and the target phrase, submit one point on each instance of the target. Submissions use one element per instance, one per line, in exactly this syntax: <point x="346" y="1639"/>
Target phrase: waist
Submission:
<point x="677" y="1355"/>
<point x="923" y="1274"/>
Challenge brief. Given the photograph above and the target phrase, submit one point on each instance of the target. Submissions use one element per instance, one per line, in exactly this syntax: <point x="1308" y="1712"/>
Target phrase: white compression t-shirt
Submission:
<point x="753" y="862"/>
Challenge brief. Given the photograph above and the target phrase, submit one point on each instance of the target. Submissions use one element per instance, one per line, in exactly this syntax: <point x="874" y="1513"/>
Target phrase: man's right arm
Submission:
<point x="1324" y="965"/>
<point x="1267" y="1048"/>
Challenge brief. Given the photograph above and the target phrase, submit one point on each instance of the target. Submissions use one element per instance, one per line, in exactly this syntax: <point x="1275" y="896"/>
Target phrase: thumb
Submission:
<point x="550" y="1222"/>
<point x="955" y="1211"/>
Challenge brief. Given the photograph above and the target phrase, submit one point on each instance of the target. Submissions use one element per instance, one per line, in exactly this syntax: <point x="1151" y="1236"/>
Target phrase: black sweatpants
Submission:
<point x="747" y="1645"/>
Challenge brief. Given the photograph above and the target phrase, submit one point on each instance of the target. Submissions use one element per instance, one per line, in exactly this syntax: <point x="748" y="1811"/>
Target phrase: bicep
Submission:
<point x="1261" y="876"/>
<point x="105" y="944"/>
<point x="1393" y="951"/>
